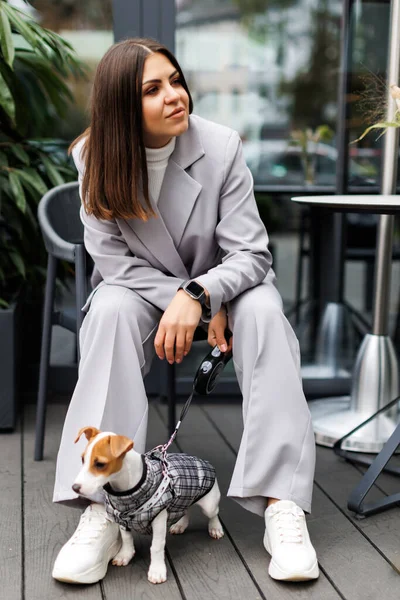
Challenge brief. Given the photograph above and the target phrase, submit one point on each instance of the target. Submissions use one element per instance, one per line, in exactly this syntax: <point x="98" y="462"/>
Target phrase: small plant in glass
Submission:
<point x="308" y="139"/>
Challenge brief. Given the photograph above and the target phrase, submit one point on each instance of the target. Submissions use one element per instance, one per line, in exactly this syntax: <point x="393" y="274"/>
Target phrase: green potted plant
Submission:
<point x="34" y="66"/>
<point x="307" y="139"/>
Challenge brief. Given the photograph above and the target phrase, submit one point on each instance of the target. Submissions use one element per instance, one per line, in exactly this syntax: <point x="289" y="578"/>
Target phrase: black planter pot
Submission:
<point x="9" y="366"/>
<point x="29" y="338"/>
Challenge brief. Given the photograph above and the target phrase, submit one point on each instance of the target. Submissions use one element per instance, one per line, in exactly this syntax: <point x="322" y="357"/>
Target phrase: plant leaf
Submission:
<point x="18" y="262"/>
<point x="324" y="133"/>
<point x="17" y="190"/>
<point x="384" y="125"/>
<point x="20" y="153"/>
<point x="6" y="99"/>
<point x="6" y="41"/>
<point x="3" y="159"/>
<point x="33" y="178"/>
<point x="17" y="19"/>
<point x="52" y="172"/>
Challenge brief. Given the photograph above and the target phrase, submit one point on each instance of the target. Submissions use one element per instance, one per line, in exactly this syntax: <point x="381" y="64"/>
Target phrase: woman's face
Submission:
<point x="165" y="103"/>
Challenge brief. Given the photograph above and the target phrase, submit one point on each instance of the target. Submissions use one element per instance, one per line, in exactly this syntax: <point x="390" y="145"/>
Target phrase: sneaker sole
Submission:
<point x="92" y="575"/>
<point x="277" y="573"/>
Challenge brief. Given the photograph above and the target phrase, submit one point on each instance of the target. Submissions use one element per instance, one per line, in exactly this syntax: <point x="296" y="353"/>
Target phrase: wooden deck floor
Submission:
<point x="359" y="559"/>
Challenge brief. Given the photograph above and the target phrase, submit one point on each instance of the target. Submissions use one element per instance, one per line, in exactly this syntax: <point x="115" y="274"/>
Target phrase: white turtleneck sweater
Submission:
<point x="157" y="161"/>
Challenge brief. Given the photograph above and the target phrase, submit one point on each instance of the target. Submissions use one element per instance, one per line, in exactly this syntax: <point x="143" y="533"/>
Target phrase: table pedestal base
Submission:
<point x="333" y="417"/>
<point x="375" y="384"/>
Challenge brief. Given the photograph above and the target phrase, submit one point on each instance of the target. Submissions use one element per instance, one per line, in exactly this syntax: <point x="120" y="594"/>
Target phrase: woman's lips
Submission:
<point x="177" y="114"/>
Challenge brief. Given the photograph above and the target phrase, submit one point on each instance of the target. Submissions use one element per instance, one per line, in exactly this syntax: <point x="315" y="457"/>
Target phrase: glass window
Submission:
<point x="273" y="66"/>
<point x="367" y="69"/>
<point x="88" y="26"/>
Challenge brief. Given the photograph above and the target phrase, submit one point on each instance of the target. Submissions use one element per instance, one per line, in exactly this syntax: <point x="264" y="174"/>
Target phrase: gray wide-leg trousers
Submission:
<point x="277" y="451"/>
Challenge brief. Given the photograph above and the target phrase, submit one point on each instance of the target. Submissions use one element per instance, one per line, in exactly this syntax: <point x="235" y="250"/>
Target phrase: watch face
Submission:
<point x="195" y="288"/>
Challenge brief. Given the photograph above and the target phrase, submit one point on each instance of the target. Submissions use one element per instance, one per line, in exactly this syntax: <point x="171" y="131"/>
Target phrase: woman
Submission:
<point x="172" y="226"/>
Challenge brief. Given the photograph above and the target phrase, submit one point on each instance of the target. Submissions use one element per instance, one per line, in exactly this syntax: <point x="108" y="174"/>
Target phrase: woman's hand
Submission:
<point x="176" y="328"/>
<point x="216" y="331"/>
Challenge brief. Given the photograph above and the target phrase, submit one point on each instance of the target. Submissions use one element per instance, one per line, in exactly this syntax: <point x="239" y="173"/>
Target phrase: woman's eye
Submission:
<point x="177" y="81"/>
<point x="151" y="91"/>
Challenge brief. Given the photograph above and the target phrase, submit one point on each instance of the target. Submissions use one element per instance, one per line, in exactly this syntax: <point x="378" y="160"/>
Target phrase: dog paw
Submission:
<point x="215" y="528"/>
<point x="176" y="529"/>
<point x="180" y="526"/>
<point x="216" y="532"/>
<point x="123" y="558"/>
<point x="157" y="573"/>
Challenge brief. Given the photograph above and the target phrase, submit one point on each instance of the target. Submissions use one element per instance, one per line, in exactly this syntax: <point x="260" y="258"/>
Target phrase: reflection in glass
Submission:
<point x="88" y="26"/>
<point x="369" y="31"/>
<point x="264" y="67"/>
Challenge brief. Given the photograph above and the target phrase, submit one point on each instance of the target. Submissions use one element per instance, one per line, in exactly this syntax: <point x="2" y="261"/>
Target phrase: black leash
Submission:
<point x="204" y="382"/>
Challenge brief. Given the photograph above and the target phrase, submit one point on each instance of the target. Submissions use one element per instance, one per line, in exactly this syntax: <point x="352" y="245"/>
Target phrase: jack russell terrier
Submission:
<point x="147" y="492"/>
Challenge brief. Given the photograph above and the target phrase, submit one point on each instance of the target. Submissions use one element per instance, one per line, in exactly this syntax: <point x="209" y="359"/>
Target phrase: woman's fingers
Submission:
<point x="221" y="341"/>
<point x="188" y="341"/>
<point x="216" y="337"/>
<point x="211" y="338"/>
<point x="176" y="343"/>
<point x="180" y="344"/>
<point x="169" y="345"/>
<point x="159" y="342"/>
<point x="230" y="344"/>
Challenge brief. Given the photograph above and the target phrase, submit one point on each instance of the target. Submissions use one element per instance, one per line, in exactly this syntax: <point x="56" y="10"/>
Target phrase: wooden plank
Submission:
<point x="244" y="529"/>
<point x="10" y="510"/>
<point x="131" y="583"/>
<point x="206" y="568"/>
<point x="338" y="478"/>
<point x="49" y="525"/>
<point x="346" y="555"/>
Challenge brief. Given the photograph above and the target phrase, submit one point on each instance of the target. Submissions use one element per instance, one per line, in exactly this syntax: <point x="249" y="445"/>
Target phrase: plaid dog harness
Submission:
<point x="173" y="482"/>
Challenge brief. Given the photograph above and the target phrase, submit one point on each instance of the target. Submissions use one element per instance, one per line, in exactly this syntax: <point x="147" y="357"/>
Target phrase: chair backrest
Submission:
<point x="59" y="220"/>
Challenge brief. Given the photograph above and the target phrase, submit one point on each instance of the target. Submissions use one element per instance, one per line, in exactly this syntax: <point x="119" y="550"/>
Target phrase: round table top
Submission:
<point x="358" y="203"/>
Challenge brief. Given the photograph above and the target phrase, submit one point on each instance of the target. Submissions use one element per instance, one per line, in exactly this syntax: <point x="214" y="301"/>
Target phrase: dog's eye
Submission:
<point x="83" y="460"/>
<point x="99" y="465"/>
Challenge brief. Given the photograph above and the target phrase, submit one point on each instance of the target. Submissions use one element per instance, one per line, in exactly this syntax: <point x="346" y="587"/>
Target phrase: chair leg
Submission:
<point x="299" y="270"/>
<point x="45" y="356"/>
<point x="171" y="395"/>
<point x="80" y="290"/>
<point x="369" y="285"/>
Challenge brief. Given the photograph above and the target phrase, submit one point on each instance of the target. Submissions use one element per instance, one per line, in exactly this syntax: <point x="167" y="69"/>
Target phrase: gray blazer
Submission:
<point x="208" y="227"/>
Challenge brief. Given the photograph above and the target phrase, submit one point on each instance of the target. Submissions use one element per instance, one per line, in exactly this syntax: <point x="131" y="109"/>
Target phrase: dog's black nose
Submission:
<point x="76" y="487"/>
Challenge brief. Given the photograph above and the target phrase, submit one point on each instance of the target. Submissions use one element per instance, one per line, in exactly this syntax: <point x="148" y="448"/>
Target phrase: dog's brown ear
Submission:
<point x="120" y="445"/>
<point x="90" y="432"/>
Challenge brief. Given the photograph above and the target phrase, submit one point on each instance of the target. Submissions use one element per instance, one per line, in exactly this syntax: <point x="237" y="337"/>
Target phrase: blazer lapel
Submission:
<point x="155" y="236"/>
<point x="178" y="195"/>
<point x="179" y="191"/>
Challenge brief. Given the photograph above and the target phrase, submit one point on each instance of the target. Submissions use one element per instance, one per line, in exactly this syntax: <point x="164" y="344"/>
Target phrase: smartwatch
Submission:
<point x="196" y="291"/>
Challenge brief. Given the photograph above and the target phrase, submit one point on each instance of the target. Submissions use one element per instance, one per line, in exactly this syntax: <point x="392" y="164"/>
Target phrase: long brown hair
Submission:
<point x="114" y="151"/>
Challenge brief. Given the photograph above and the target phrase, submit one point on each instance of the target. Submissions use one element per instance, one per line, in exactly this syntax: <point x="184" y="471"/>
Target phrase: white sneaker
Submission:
<point x="85" y="557"/>
<point x="286" y="539"/>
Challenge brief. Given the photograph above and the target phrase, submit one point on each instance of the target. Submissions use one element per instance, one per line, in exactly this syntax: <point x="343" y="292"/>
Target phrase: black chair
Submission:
<point x="62" y="232"/>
